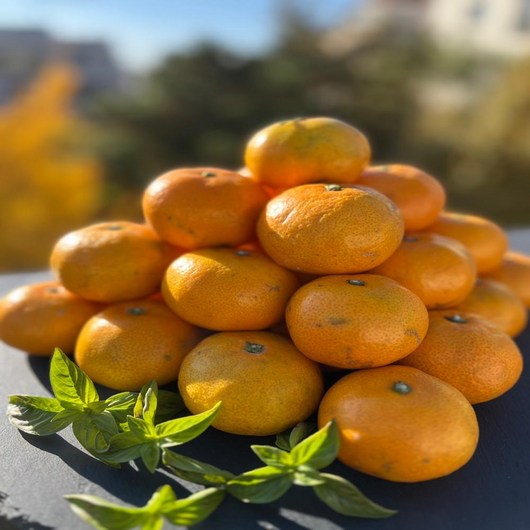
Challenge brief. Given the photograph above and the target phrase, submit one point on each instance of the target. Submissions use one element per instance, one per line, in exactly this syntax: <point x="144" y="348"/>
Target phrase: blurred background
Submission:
<point x="99" y="97"/>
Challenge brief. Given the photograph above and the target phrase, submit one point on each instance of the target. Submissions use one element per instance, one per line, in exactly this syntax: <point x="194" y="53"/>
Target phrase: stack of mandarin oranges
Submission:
<point x="247" y="286"/>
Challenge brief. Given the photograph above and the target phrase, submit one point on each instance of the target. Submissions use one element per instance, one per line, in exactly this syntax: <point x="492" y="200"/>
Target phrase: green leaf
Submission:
<point x="95" y="431"/>
<point x="69" y="415"/>
<point x="149" y="405"/>
<point x="71" y="386"/>
<point x="288" y="439"/>
<point x="150" y="453"/>
<point x="169" y="405"/>
<point x="194" y="508"/>
<point x="261" y="485"/>
<point x="318" y="450"/>
<point x="161" y="500"/>
<point x="194" y="471"/>
<point x="182" y="430"/>
<point x="124" y="447"/>
<point x="308" y="476"/>
<point x="121" y="405"/>
<point x="345" y="498"/>
<point x="105" y="515"/>
<point x="273" y="456"/>
<point x="36" y="415"/>
<point x="141" y="428"/>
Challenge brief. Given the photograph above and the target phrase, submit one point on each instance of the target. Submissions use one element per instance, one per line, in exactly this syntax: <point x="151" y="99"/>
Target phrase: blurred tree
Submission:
<point x="48" y="184"/>
<point x="200" y="107"/>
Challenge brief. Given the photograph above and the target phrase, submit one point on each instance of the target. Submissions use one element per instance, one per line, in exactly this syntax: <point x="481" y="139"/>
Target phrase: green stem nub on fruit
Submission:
<point x="136" y="311"/>
<point x="242" y="252"/>
<point x="208" y="174"/>
<point x="456" y="318"/>
<point x="401" y="387"/>
<point x="356" y="282"/>
<point x="253" y="347"/>
<point x="411" y="239"/>
<point x="333" y="187"/>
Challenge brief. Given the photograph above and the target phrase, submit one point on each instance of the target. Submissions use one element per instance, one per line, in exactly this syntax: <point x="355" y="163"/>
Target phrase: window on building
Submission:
<point x="523" y="21"/>
<point x="477" y="10"/>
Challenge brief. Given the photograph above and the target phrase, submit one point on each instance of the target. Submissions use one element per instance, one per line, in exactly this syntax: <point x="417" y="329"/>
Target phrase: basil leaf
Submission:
<point x="195" y="508"/>
<point x="105" y="515"/>
<point x="124" y="447"/>
<point x="140" y="428"/>
<point x="162" y="499"/>
<point x="194" y="471"/>
<point x="286" y="440"/>
<point x="35" y="415"/>
<point x="345" y="498"/>
<point x="318" y="450"/>
<point x="169" y="405"/>
<point x="71" y="386"/>
<point x="273" y="456"/>
<point x="308" y="476"/>
<point x="94" y="431"/>
<point x="150" y="453"/>
<point x="261" y="485"/>
<point x="121" y="405"/>
<point x="182" y="430"/>
<point x="150" y="403"/>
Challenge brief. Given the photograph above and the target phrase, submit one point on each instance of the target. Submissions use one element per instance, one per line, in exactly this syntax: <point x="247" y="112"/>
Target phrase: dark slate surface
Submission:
<point x="490" y="492"/>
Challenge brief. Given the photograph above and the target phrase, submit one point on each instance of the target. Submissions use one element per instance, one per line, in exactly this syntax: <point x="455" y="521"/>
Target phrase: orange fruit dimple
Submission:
<point x="111" y="261"/>
<point x="330" y="229"/>
<point x="304" y="150"/>
<point x="438" y="269"/>
<point x="400" y="424"/>
<point x="497" y="303"/>
<point x="202" y="207"/>
<point x="264" y="383"/>
<point x="228" y="289"/>
<point x="356" y="321"/>
<point x="486" y="241"/>
<point x="470" y="353"/>
<point x="130" y="344"/>
<point x="514" y="271"/>
<point x="419" y="196"/>
<point x="40" y="317"/>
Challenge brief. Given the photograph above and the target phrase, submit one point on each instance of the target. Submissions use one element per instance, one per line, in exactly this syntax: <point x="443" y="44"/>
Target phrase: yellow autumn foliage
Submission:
<point x="48" y="183"/>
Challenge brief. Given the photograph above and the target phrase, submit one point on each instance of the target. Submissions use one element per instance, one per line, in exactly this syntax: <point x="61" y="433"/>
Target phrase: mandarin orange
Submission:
<point x="40" y="317"/>
<point x="330" y="229"/>
<point x="264" y="383"/>
<point x="202" y="207"/>
<point x="400" y="424"/>
<point x="132" y="343"/>
<point x="304" y="150"/>
<point x="470" y="353"/>
<point x="228" y="289"/>
<point x="486" y="240"/>
<point x="356" y="321"/>
<point x="438" y="269"/>
<point x="419" y="196"/>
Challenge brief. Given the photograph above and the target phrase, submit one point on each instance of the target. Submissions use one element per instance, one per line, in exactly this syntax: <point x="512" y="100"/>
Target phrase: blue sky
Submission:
<point x="140" y="32"/>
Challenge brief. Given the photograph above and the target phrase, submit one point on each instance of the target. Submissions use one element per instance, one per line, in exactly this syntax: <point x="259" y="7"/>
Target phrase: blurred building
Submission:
<point x="498" y="27"/>
<point x="24" y="51"/>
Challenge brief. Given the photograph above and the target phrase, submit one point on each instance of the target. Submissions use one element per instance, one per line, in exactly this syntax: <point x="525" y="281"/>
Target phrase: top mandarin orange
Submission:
<point x="304" y="150"/>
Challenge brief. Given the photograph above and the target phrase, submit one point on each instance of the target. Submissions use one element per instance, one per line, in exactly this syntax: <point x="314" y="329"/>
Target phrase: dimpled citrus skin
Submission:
<point x="111" y="261"/>
<point x="425" y="433"/>
<point x="497" y="303"/>
<point x="304" y="150"/>
<point x="330" y="229"/>
<point x="264" y="383"/>
<point x="356" y="321"/>
<point x="129" y="344"/>
<point x="418" y="195"/>
<point x="470" y="353"/>
<point x="486" y="241"/>
<point x="201" y="207"/>
<point x="438" y="269"/>
<point x="228" y="289"/>
<point x="40" y="317"/>
<point x="514" y="271"/>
